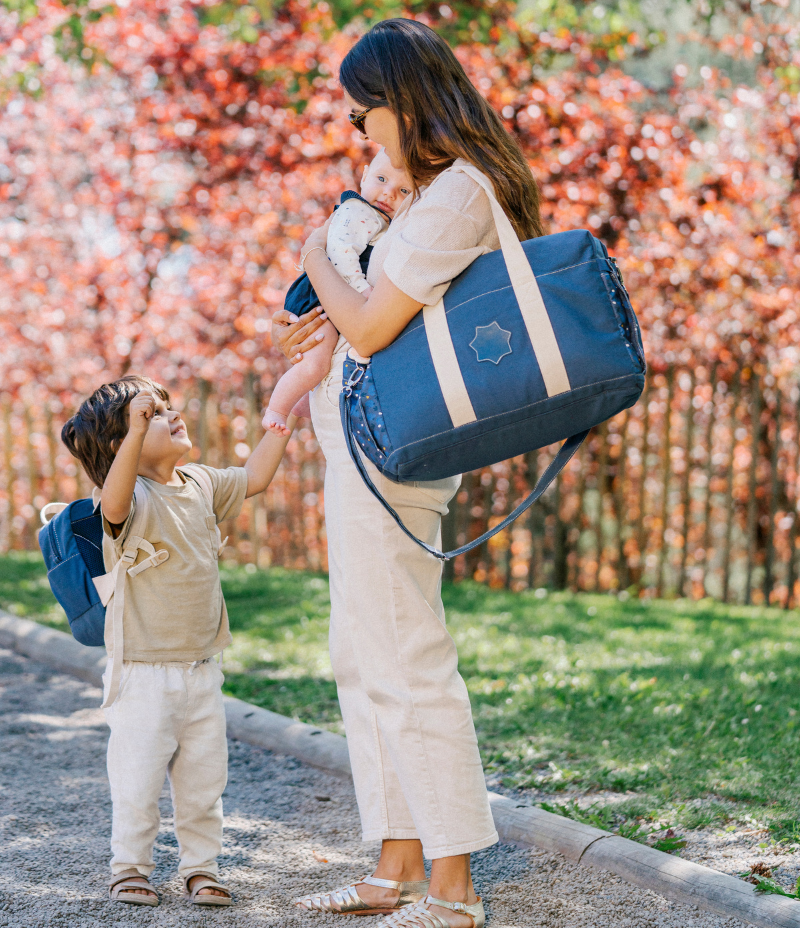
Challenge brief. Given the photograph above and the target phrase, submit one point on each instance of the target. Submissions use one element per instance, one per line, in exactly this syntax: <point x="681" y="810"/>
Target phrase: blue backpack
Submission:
<point x="72" y="545"/>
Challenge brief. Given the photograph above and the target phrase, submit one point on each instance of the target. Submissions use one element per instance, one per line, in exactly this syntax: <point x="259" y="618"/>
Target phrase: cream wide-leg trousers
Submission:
<point x="167" y="719"/>
<point x="412" y="743"/>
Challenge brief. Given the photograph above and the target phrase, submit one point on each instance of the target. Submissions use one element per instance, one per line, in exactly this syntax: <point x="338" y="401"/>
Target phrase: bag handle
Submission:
<point x="559" y="462"/>
<point x="526" y="290"/>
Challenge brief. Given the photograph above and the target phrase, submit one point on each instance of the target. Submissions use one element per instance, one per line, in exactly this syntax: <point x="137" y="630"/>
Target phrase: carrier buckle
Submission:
<point x="354" y="379"/>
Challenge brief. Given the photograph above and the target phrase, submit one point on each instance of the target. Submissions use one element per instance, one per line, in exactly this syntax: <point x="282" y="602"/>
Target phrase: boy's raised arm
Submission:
<point x="264" y="461"/>
<point x="120" y="483"/>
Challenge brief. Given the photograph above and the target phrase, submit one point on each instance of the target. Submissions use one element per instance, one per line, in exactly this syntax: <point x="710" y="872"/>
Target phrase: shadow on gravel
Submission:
<point x="289" y="830"/>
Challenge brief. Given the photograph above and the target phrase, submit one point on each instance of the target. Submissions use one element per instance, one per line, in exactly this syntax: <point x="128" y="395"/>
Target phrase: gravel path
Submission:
<point x="289" y="830"/>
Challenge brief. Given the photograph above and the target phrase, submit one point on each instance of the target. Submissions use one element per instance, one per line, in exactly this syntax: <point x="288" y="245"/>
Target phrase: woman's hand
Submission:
<point x="317" y="239"/>
<point x="293" y="336"/>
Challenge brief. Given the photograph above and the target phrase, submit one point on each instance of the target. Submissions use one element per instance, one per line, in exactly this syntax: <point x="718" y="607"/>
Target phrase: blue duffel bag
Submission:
<point x="530" y="345"/>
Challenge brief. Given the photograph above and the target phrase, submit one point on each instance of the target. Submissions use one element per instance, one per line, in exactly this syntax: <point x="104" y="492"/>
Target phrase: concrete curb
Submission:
<point x="676" y="879"/>
<point x="314" y="746"/>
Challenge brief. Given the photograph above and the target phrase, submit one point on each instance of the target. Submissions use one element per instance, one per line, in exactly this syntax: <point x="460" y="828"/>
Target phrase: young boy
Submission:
<point x="165" y="709"/>
<point x="359" y="221"/>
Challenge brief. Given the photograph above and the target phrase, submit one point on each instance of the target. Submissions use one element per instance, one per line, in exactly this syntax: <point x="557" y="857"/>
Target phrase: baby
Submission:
<point x="359" y="221"/>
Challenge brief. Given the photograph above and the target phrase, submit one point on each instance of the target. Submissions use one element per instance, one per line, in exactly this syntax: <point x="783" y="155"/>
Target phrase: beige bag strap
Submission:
<point x="113" y="584"/>
<point x="531" y="305"/>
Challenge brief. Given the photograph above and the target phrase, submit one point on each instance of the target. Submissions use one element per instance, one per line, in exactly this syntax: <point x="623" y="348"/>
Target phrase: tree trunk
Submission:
<point x="729" y="498"/>
<point x="772" y="504"/>
<point x="663" y="547"/>
<point x="709" y="469"/>
<point x="33" y="475"/>
<point x="559" y="541"/>
<point x="8" y="467"/>
<point x="462" y="515"/>
<point x="618" y="497"/>
<point x="202" y="420"/>
<point x="602" y="476"/>
<point x="252" y="440"/>
<point x="686" y="500"/>
<point x="752" y="501"/>
<point x="534" y="513"/>
<point x="641" y="531"/>
<point x="584" y="458"/>
<point x="52" y="453"/>
<point x="791" y="567"/>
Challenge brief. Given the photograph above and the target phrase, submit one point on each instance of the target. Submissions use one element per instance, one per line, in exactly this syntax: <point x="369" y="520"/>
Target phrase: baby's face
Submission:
<point x="384" y="186"/>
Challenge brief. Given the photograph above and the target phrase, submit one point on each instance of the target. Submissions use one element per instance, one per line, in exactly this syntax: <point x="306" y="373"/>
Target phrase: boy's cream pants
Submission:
<point x="413" y="750"/>
<point x="167" y="719"/>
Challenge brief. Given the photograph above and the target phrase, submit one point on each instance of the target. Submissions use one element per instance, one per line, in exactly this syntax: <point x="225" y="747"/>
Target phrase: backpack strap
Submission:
<point x="113" y="584"/>
<point x="201" y="478"/>
<point x="50" y="511"/>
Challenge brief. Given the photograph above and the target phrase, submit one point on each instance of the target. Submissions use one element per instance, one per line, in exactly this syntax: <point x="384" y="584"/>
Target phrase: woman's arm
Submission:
<point x="368" y="324"/>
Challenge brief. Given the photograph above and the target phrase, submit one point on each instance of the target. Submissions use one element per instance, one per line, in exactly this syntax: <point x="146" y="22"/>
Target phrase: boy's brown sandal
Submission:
<point x="122" y="886"/>
<point x="346" y="901"/>
<point x="210" y="882"/>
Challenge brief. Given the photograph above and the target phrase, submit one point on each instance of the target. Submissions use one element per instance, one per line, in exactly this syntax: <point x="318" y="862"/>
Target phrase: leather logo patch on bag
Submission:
<point x="491" y="343"/>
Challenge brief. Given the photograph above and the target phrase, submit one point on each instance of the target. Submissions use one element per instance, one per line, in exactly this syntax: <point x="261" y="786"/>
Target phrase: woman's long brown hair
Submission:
<point x="406" y="66"/>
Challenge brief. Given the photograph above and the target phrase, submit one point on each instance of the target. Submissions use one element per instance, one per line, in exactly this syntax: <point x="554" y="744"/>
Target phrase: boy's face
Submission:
<point x="166" y="439"/>
<point x="384" y="186"/>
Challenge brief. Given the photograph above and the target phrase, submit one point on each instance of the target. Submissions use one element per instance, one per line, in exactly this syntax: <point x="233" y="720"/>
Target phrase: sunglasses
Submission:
<point x="357" y="119"/>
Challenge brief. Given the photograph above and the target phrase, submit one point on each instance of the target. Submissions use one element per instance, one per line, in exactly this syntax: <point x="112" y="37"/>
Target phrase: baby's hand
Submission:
<point x="141" y="410"/>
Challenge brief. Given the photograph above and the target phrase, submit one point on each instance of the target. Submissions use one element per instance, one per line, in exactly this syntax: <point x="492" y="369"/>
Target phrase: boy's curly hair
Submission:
<point x="93" y="435"/>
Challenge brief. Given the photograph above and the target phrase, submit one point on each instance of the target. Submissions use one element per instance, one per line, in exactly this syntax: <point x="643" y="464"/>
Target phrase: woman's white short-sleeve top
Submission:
<point x="433" y="239"/>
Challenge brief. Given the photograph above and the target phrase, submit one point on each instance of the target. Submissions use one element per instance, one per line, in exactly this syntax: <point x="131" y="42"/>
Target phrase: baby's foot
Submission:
<point x="302" y="408"/>
<point x="275" y="422"/>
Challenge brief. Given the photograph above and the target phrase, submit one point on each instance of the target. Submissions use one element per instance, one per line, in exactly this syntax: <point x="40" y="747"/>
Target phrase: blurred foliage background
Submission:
<point x="162" y="162"/>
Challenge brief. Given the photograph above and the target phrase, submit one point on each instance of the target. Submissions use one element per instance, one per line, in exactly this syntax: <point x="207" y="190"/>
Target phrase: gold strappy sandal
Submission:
<point x="419" y="916"/>
<point x="346" y="901"/>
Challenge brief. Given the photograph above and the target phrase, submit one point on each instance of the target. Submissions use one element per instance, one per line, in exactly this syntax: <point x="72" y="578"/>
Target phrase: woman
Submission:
<point x="413" y="750"/>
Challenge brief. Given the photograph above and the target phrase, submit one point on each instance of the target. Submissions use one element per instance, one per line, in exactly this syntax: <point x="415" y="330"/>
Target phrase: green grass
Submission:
<point x="687" y="711"/>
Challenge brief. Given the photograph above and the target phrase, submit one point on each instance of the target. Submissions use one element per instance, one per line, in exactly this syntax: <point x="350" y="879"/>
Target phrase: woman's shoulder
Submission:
<point x="453" y="182"/>
<point x="456" y="192"/>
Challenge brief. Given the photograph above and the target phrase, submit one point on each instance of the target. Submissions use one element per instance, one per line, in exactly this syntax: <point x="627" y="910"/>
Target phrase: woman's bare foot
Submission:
<point x="203" y="892"/>
<point x="275" y="422"/>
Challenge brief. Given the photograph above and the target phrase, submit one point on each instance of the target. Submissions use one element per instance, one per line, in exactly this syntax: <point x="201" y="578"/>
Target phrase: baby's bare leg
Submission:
<point x="299" y="379"/>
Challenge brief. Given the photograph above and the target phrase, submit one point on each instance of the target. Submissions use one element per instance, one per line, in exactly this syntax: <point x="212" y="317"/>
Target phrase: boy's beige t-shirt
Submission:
<point x="176" y="611"/>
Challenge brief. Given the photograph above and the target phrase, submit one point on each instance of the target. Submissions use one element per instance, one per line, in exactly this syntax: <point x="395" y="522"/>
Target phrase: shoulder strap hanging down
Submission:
<point x="559" y="462"/>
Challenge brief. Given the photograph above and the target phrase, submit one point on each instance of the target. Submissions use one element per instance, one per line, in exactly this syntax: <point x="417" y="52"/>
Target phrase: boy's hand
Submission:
<point x="141" y="410"/>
